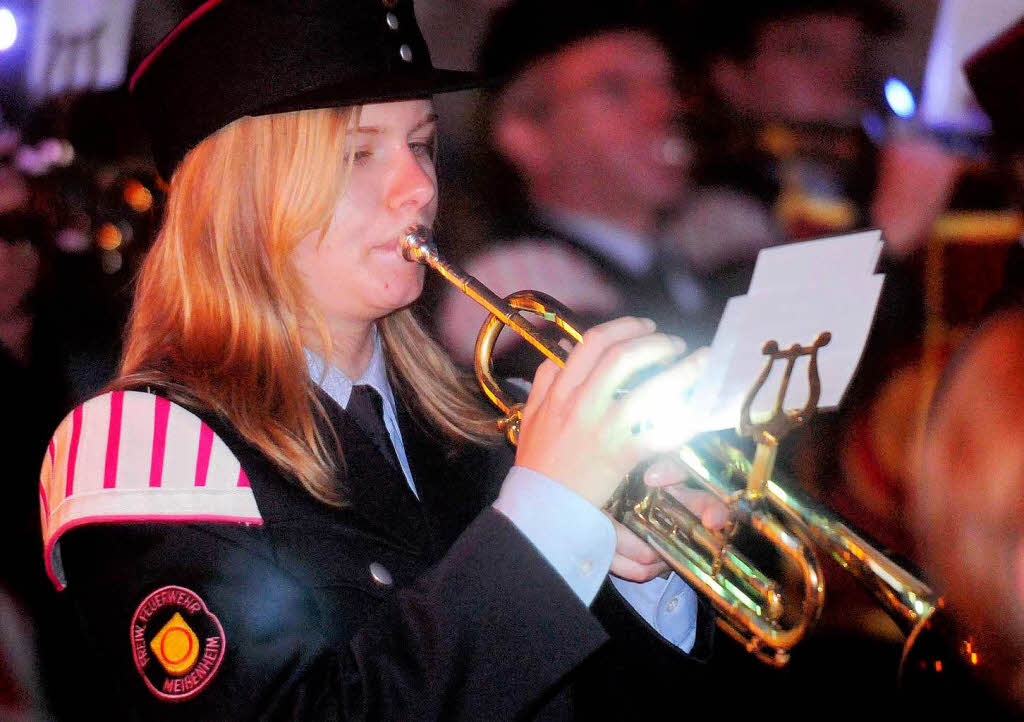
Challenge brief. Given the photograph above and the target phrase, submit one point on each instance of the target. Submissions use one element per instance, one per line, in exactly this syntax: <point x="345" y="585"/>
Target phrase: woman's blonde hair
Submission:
<point x="220" y="308"/>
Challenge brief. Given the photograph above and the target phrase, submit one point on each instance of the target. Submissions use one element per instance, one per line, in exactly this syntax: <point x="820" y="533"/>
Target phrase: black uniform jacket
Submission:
<point x="474" y="624"/>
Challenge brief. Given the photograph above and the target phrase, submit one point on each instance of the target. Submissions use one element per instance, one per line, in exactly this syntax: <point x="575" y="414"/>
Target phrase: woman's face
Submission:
<point x="357" y="273"/>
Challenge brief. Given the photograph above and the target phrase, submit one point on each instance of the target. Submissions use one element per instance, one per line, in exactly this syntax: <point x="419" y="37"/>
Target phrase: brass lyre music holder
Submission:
<point x="751" y="607"/>
<point x="769" y="431"/>
<point x="766" y="633"/>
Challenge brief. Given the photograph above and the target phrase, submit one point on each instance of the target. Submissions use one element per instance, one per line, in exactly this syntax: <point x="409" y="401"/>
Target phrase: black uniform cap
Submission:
<point x="996" y="75"/>
<point x="524" y="31"/>
<point x="232" y="58"/>
<point x="720" y="28"/>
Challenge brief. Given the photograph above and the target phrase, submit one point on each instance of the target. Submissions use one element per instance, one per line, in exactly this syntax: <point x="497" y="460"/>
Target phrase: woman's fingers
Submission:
<point x="654" y="417"/>
<point x="545" y="375"/>
<point x="668" y="473"/>
<point x="566" y="432"/>
<point x="589" y="353"/>
<point x="622" y="364"/>
<point x="634" y="572"/>
<point x="634" y="559"/>
<point x="665" y="471"/>
<point x="713" y="514"/>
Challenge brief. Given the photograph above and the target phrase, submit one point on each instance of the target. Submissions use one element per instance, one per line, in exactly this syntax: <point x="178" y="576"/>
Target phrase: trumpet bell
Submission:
<point x="761" y="613"/>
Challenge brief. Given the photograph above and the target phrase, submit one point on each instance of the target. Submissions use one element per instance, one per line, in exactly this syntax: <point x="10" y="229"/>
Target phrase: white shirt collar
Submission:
<point x="338" y="385"/>
<point x="634" y="253"/>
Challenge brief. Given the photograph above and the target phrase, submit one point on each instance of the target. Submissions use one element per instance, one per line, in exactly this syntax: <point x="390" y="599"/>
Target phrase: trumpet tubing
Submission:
<point x="752" y="608"/>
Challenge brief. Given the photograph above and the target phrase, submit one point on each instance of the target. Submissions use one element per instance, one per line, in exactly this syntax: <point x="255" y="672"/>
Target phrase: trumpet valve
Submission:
<point x="510" y="424"/>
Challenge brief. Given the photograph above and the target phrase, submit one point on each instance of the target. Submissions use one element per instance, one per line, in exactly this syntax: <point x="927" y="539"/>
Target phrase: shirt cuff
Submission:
<point x="668" y="605"/>
<point x="576" y="538"/>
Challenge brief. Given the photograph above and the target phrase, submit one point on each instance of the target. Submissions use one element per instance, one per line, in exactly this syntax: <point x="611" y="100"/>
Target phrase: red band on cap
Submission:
<point x="192" y="17"/>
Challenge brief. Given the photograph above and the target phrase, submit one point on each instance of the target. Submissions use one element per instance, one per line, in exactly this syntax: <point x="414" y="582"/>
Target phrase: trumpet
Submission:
<point x="754" y="609"/>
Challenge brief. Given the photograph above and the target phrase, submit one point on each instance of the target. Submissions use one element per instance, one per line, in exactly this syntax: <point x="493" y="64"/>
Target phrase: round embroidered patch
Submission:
<point x="177" y="643"/>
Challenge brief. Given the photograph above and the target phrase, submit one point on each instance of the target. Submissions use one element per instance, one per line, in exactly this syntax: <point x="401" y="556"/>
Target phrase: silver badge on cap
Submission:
<point x="380" y="574"/>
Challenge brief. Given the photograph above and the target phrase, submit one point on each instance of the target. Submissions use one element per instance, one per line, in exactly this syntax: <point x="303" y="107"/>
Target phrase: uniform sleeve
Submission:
<point x="669" y="606"/>
<point x="579" y="542"/>
<point x="459" y="643"/>
<point x="569" y="532"/>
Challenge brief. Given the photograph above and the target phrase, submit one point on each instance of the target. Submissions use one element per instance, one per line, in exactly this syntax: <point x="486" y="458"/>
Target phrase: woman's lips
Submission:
<point x="393" y="244"/>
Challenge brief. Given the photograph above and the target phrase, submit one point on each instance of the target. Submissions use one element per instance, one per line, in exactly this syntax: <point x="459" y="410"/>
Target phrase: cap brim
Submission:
<point x="344" y="93"/>
<point x="372" y="90"/>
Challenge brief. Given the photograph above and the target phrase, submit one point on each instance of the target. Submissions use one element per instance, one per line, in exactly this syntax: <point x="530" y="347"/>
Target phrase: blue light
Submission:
<point x="8" y="29"/>
<point x="899" y="97"/>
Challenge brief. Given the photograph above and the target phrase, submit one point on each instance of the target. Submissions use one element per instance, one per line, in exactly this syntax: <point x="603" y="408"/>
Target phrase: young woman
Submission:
<point x="282" y="506"/>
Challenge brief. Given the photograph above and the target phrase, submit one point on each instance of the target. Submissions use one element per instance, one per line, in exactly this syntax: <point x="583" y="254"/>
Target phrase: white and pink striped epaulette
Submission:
<point x="130" y="456"/>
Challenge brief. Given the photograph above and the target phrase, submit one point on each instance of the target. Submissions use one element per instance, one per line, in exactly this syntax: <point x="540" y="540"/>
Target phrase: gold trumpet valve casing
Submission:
<point x="751" y="607"/>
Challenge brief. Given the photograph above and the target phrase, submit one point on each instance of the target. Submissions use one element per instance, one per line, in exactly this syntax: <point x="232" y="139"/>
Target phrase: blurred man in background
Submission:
<point x="586" y="116"/>
<point x="785" y="85"/>
<point x="584" y="121"/>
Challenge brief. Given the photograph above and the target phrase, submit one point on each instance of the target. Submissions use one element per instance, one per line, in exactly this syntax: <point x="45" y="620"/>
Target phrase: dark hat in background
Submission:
<point x="996" y="75"/>
<point x="878" y="16"/>
<point x="716" y="28"/>
<point x="233" y="58"/>
<point x="524" y="31"/>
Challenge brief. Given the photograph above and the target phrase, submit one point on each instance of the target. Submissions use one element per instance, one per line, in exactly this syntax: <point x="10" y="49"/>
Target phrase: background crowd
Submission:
<point x="628" y="158"/>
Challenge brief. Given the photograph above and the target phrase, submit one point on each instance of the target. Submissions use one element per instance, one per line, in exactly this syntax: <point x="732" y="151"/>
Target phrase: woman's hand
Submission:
<point x="580" y="429"/>
<point x="634" y="559"/>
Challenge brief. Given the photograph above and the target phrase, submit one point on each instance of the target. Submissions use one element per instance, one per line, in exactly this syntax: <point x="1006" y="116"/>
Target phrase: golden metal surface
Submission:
<point x="754" y="609"/>
<point x="417" y="245"/>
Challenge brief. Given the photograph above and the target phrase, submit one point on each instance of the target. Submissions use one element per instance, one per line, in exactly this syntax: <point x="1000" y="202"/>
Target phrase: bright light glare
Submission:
<point x="8" y="29"/>
<point x="668" y="424"/>
<point x="899" y="97"/>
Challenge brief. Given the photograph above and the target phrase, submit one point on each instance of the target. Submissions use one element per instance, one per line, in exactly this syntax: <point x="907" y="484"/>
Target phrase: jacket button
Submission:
<point x="392" y="21"/>
<point x="380" y="574"/>
<point x="405" y="52"/>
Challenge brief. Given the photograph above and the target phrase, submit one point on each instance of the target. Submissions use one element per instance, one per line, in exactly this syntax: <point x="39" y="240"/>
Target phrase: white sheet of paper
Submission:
<point x="800" y="290"/>
<point x="812" y="262"/>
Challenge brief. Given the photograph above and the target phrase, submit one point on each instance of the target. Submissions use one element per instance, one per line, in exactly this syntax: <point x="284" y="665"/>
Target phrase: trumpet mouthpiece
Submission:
<point x="417" y="244"/>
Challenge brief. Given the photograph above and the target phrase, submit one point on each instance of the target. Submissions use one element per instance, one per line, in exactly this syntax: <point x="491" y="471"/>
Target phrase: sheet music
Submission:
<point x="797" y="292"/>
